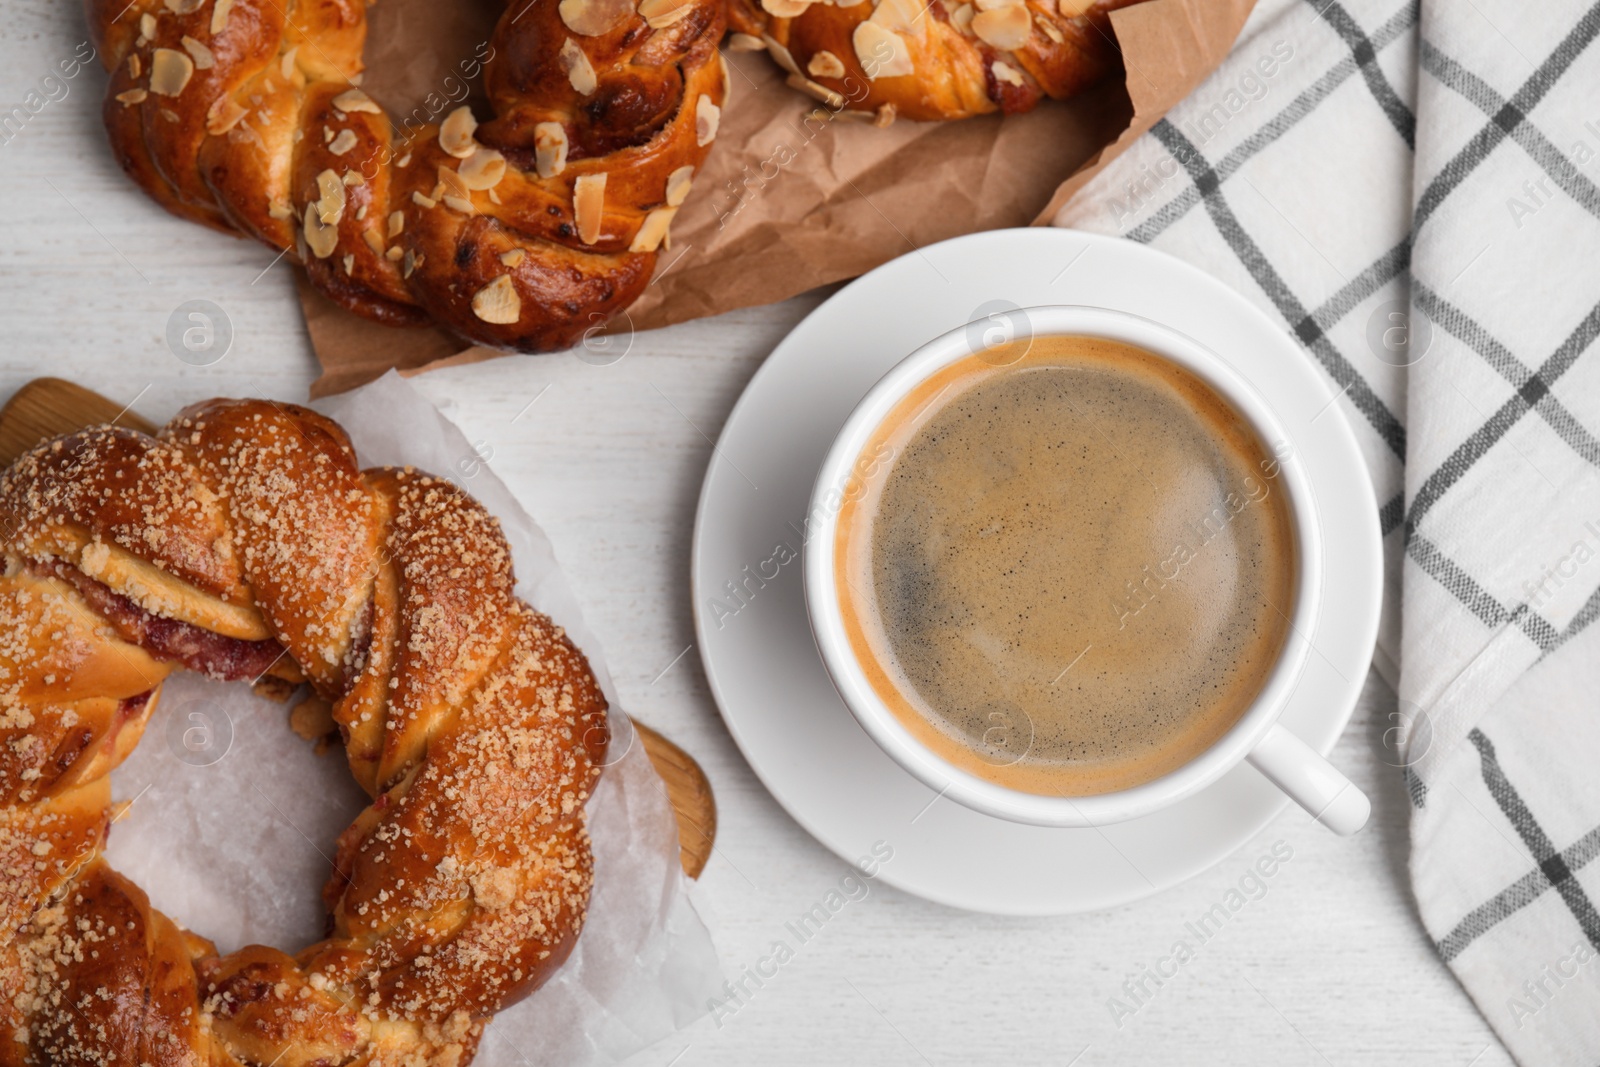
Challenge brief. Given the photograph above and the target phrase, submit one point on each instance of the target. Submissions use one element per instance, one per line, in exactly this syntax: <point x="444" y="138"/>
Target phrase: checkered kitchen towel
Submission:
<point x="1412" y="190"/>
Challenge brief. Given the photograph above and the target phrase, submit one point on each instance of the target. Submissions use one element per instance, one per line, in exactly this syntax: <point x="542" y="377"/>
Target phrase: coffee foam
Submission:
<point x="1078" y="571"/>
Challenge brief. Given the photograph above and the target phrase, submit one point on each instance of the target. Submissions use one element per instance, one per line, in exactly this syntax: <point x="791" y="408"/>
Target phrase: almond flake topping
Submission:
<point x="678" y="183"/>
<point x="356" y="100"/>
<point x="498" y="302"/>
<point x="483" y="169"/>
<point x="455" y="133"/>
<point x="321" y="238"/>
<point x="170" y="71"/>
<point x="580" y="72"/>
<point x="550" y="148"/>
<point x="589" y="205"/>
<point x="816" y="90"/>
<point x="1006" y="28"/>
<point x="1005" y="72"/>
<point x="653" y="230"/>
<point x="203" y="57"/>
<point x="825" y="65"/>
<point x="882" y="53"/>
<point x="781" y="55"/>
<point x="330" y="206"/>
<point x="659" y="14"/>
<point x="707" y="117"/>
<point x="224" y="115"/>
<point x="591" y="18"/>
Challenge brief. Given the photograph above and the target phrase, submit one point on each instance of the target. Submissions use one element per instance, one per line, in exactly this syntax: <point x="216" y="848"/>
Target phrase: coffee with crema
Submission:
<point x="1075" y="569"/>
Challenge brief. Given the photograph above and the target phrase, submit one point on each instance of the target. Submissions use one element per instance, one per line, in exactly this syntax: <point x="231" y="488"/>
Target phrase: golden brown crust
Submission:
<point x="472" y="721"/>
<point x="86" y="477"/>
<point x="136" y="998"/>
<point x="538" y="225"/>
<point x="301" y="519"/>
<point x="245" y="115"/>
<point x="944" y="59"/>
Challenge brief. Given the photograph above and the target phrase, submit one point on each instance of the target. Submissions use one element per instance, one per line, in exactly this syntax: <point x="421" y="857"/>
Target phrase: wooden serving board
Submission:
<point x="48" y="407"/>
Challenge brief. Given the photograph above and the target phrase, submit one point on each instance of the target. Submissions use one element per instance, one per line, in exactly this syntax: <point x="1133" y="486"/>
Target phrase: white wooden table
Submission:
<point x="1329" y="966"/>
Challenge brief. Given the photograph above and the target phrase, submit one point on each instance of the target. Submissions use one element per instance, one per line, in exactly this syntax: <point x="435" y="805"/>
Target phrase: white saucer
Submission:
<point x="758" y="652"/>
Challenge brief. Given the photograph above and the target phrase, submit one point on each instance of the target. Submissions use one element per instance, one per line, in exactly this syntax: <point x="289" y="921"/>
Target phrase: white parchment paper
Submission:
<point x="233" y="818"/>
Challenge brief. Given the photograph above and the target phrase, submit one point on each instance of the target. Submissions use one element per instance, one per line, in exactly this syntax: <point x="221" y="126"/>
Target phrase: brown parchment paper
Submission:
<point x="794" y="197"/>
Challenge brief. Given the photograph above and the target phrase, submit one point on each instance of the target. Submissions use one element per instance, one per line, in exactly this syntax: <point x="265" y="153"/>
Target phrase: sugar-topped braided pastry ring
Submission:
<point x="245" y="539"/>
<point x="520" y="233"/>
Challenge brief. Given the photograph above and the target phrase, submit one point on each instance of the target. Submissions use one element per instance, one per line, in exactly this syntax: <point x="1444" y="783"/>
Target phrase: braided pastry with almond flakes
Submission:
<point x="520" y="233"/>
<point x="244" y="539"/>
<point x="528" y="230"/>
<point x="934" y="59"/>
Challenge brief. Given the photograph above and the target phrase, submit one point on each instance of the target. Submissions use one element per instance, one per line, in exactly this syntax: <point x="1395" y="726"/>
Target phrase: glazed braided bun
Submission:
<point x="520" y="233"/>
<point x="244" y="540"/>
<point x="535" y="227"/>
<point x="933" y="59"/>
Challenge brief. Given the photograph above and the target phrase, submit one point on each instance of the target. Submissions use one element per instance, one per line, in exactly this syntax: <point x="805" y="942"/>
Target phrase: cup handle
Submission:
<point x="1311" y="781"/>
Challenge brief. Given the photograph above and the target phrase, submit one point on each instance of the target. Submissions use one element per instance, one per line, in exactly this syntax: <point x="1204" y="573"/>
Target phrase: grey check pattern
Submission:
<point x="1467" y="128"/>
<point x="1554" y="870"/>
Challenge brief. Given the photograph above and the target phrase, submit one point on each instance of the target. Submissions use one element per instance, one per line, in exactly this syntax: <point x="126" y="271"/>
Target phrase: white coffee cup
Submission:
<point x="1257" y="737"/>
